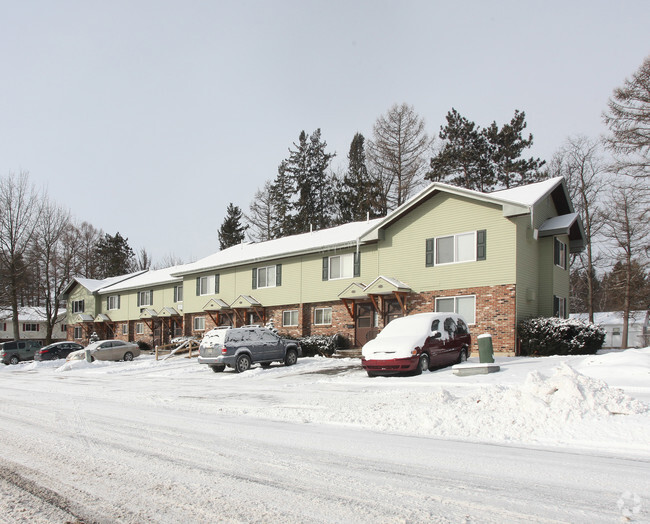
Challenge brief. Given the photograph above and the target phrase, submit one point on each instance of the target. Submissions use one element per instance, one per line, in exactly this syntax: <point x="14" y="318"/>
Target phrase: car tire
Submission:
<point x="243" y="363"/>
<point x="291" y="357"/>
<point x="463" y="356"/>
<point x="128" y="356"/>
<point x="218" y="368"/>
<point x="371" y="374"/>
<point x="14" y="360"/>
<point x="423" y="364"/>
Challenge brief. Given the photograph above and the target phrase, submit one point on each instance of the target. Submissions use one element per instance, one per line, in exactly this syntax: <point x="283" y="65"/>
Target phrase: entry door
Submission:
<point x="365" y="325"/>
<point x="392" y="310"/>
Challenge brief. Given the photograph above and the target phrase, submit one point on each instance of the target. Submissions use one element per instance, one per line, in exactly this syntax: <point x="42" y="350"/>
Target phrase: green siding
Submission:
<point x="81" y="293"/>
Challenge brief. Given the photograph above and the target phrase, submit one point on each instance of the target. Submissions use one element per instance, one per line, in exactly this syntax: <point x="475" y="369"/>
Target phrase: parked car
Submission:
<point x="57" y="350"/>
<point x="240" y="348"/>
<point x="18" y="350"/>
<point x="416" y="343"/>
<point x="108" y="350"/>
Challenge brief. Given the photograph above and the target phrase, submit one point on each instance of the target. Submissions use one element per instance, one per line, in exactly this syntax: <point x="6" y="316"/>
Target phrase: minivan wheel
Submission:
<point x="463" y="356"/>
<point x="291" y="358"/>
<point x="14" y="360"/>
<point x="218" y="368"/>
<point x="243" y="363"/>
<point x="128" y="356"/>
<point x="423" y="364"/>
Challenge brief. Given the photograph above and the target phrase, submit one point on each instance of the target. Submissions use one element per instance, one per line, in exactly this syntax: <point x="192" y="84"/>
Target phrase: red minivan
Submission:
<point x="416" y="343"/>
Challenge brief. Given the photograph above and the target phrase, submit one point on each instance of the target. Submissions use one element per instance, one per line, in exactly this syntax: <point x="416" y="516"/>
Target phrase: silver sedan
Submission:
<point x="108" y="350"/>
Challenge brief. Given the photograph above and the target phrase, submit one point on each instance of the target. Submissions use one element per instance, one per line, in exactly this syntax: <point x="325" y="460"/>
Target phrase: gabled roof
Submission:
<point x="244" y="302"/>
<point x="216" y="304"/>
<point x="28" y="314"/>
<point x="343" y="236"/>
<point x="94" y="285"/>
<point x="354" y="291"/>
<point x="151" y="277"/>
<point x="386" y="285"/>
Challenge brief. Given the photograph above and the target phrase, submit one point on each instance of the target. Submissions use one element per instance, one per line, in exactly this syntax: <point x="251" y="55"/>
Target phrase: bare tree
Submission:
<point x="55" y="257"/>
<point x="398" y="153"/>
<point x="169" y="260"/>
<point x="20" y="212"/>
<point x="261" y="215"/>
<point x="628" y="118"/>
<point x="142" y="260"/>
<point x="627" y="228"/>
<point x="88" y="238"/>
<point x="580" y="163"/>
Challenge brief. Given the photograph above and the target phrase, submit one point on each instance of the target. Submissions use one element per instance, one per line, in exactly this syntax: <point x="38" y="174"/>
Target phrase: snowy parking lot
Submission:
<point x="545" y="439"/>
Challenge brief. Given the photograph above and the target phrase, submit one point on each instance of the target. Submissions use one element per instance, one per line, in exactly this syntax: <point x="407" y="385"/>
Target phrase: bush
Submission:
<point x="322" y="345"/>
<point x="559" y="336"/>
<point x="144" y="346"/>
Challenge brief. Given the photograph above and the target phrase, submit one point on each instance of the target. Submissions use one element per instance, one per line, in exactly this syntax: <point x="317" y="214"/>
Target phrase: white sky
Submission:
<point x="148" y="117"/>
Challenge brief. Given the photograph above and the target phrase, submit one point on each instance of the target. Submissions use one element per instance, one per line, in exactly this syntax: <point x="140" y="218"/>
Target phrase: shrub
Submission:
<point x="559" y="336"/>
<point x="322" y="345"/>
<point x="144" y="346"/>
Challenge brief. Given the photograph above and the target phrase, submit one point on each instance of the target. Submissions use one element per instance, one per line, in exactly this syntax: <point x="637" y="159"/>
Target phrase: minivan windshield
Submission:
<point x="415" y="324"/>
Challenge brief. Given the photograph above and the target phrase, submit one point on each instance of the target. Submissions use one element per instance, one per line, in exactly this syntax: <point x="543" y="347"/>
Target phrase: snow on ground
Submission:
<point x="571" y="432"/>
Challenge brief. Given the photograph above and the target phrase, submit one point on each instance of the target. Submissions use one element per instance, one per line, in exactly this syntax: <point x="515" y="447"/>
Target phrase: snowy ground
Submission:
<point x="558" y="439"/>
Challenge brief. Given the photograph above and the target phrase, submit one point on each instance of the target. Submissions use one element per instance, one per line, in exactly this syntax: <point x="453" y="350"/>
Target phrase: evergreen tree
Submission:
<point x="506" y="146"/>
<point x="357" y="194"/>
<point x="464" y="159"/>
<point x="114" y="255"/>
<point x="232" y="232"/>
<point x="282" y="191"/>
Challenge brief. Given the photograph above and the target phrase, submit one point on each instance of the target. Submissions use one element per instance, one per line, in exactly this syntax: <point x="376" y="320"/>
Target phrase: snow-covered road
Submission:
<point x="320" y="442"/>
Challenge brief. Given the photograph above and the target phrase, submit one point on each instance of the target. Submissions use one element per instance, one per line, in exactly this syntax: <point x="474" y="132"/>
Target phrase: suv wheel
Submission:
<point x="291" y="357"/>
<point x="243" y="363"/>
<point x="463" y="356"/>
<point x="14" y="360"/>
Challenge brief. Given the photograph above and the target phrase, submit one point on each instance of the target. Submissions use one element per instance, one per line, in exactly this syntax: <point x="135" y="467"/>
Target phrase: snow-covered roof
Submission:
<point x="558" y="225"/>
<point x="529" y="194"/>
<point x="28" y="314"/>
<point x="608" y="318"/>
<point x="345" y="235"/>
<point x="94" y="285"/>
<point x="152" y="277"/>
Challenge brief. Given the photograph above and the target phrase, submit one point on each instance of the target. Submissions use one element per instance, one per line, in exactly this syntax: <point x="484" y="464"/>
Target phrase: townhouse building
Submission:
<point x="496" y="258"/>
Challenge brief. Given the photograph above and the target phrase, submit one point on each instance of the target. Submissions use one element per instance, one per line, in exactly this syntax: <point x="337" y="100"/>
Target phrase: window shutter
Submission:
<point x="108" y="303"/>
<point x="198" y="286"/>
<point x="175" y="293"/>
<point x="556" y="306"/>
<point x="556" y="252"/>
<point x="216" y="284"/>
<point x="254" y="278"/>
<point x="326" y="268"/>
<point x="566" y="255"/>
<point x="481" y="244"/>
<point x="118" y="301"/>
<point x="83" y="306"/>
<point x="38" y="327"/>
<point x="357" y="264"/>
<point x="429" y="253"/>
<point x="278" y="275"/>
<point x="151" y="297"/>
<point x="139" y="295"/>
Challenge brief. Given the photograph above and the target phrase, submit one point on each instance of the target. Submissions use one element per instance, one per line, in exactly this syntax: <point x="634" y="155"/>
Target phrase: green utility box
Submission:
<point x="485" y="350"/>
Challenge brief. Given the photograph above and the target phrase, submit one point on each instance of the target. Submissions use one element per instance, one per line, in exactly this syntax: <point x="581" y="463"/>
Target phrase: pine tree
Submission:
<point x="232" y="232"/>
<point x="464" y="159"/>
<point x="357" y="194"/>
<point x="282" y="192"/>
<point x="114" y="255"/>
<point x="506" y="146"/>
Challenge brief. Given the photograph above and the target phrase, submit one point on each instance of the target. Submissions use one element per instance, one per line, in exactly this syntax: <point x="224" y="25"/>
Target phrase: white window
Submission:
<point x="559" y="254"/>
<point x="178" y="293"/>
<point x="125" y="329"/>
<point x="113" y="302"/>
<point x="199" y="323"/>
<point x="78" y="306"/>
<point x="139" y="328"/>
<point x="463" y="305"/>
<point x="30" y="327"/>
<point x="559" y="306"/>
<point x="290" y="318"/>
<point x="145" y="298"/>
<point x="456" y="248"/>
<point x="323" y="316"/>
<point x="266" y="276"/>
<point x="64" y="328"/>
<point x="341" y="266"/>
<point x="206" y="285"/>
<point x="77" y="333"/>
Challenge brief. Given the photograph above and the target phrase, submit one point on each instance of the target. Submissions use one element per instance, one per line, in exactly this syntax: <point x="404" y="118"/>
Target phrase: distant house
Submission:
<point x="32" y="324"/>
<point x="638" y="335"/>
<point x="496" y="258"/>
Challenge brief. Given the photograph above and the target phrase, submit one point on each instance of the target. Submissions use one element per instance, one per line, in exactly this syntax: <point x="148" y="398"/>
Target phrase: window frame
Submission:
<point x="340" y="257"/>
<point x="125" y="329"/>
<point x="201" y="321"/>
<point x="145" y="294"/>
<point x="31" y="327"/>
<point x="139" y="328"/>
<point x="559" y="253"/>
<point x="291" y="313"/>
<point x="455" y="298"/>
<point x="178" y="293"/>
<point x="115" y="299"/>
<point x="455" y="237"/>
<point x="322" y="310"/>
<point x="77" y="333"/>
<point x="271" y="281"/>
<point x="78" y="306"/>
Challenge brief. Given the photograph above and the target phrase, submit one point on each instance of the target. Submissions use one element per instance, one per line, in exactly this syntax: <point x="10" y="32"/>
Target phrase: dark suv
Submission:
<point x="57" y="350"/>
<point x="17" y="350"/>
<point x="239" y="348"/>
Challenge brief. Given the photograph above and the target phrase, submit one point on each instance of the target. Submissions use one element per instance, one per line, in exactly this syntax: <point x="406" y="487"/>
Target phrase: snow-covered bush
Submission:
<point x="560" y="336"/>
<point x="322" y="345"/>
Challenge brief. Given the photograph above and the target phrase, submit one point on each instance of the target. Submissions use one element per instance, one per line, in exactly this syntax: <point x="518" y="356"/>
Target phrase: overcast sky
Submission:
<point x="149" y="117"/>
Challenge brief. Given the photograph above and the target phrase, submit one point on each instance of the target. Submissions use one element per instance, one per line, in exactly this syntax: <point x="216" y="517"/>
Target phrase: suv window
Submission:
<point x="450" y="326"/>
